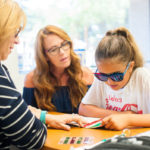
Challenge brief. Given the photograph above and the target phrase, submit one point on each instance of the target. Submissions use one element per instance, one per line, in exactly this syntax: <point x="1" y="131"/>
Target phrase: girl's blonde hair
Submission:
<point x="119" y="44"/>
<point x="12" y="18"/>
<point x="44" y="80"/>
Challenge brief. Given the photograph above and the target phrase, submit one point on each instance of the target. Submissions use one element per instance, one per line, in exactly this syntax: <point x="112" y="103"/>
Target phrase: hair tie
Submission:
<point x="122" y="33"/>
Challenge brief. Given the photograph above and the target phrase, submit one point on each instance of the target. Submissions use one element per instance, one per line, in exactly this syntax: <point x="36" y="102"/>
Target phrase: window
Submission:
<point x="86" y="21"/>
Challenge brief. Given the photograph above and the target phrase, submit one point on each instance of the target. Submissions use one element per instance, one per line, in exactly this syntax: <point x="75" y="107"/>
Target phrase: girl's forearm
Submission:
<point x="95" y="111"/>
<point x="139" y="120"/>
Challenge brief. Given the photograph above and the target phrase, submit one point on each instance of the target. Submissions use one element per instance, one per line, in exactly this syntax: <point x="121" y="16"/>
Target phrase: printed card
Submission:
<point x="91" y="122"/>
<point x="77" y="140"/>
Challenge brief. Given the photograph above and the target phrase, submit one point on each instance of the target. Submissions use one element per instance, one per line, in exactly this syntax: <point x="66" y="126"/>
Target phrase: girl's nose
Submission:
<point x="109" y="81"/>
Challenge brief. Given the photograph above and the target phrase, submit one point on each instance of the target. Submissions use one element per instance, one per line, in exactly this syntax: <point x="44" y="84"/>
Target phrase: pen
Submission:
<point x="120" y="135"/>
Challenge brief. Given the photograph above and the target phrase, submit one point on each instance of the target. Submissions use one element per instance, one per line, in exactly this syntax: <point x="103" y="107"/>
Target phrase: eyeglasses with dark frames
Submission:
<point x="17" y="33"/>
<point x="66" y="45"/>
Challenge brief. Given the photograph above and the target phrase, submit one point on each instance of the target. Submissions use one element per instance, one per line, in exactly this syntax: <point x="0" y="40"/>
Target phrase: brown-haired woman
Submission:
<point x="58" y="82"/>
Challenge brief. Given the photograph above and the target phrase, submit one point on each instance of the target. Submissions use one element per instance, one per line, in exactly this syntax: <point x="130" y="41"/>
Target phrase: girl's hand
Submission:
<point x="116" y="121"/>
<point x="60" y="121"/>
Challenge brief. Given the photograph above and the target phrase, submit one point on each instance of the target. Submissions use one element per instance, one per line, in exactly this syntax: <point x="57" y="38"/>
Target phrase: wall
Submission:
<point x="139" y="24"/>
<point x="12" y="65"/>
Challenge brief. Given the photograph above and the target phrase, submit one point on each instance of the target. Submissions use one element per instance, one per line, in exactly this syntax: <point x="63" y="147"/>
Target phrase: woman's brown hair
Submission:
<point x="44" y="80"/>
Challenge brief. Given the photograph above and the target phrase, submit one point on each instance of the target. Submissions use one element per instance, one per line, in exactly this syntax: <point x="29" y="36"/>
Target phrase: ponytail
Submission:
<point x="120" y="44"/>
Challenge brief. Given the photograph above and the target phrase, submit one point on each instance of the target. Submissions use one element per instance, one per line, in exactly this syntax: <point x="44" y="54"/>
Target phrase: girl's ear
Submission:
<point x="132" y="65"/>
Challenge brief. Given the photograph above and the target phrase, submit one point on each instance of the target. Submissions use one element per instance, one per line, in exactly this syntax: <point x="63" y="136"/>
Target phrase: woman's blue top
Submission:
<point x="61" y="99"/>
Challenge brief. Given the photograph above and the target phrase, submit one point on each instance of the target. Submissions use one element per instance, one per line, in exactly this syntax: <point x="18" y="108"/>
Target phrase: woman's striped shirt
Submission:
<point x="18" y="126"/>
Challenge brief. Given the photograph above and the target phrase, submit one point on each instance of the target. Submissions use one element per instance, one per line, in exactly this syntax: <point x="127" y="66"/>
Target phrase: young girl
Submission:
<point x="121" y="85"/>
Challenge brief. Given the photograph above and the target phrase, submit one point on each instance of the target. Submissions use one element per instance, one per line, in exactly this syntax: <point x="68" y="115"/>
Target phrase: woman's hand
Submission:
<point x="35" y="111"/>
<point x="60" y="121"/>
<point x="116" y="121"/>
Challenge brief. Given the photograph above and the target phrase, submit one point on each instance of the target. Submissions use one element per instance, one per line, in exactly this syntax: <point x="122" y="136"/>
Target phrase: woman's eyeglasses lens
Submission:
<point x="65" y="46"/>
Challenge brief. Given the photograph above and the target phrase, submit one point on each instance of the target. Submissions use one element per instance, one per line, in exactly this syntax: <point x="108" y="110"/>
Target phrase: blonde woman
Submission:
<point x="58" y="82"/>
<point x="18" y="126"/>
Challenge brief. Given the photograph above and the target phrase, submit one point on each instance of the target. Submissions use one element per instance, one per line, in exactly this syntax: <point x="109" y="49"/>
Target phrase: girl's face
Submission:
<point x="109" y="67"/>
<point x="7" y="47"/>
<point x="57" y="51"/>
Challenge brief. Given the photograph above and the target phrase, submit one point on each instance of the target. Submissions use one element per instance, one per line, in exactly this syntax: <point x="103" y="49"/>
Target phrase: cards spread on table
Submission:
<point x="91" y="122"/>
<point x="77" y="140"/>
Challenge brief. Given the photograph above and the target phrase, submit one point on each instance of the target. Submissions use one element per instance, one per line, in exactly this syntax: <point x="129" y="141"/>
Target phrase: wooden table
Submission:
<point x="54" y="136"/>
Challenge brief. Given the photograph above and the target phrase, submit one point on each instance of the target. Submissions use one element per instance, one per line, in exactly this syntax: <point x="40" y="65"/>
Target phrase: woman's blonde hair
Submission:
<point x="44" y="80"/>
<point x="119" y="44"/>
<point x="12" y="18"/>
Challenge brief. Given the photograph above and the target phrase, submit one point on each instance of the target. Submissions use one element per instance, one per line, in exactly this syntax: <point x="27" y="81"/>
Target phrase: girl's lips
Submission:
<point x="113" y="86"/>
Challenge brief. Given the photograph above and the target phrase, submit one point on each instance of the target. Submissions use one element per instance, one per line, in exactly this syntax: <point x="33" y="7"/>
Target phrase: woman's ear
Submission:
<point x="46" y="57"/>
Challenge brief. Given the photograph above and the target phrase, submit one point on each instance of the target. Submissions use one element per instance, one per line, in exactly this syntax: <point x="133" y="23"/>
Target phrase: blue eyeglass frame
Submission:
<point x="117" y="76"/>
